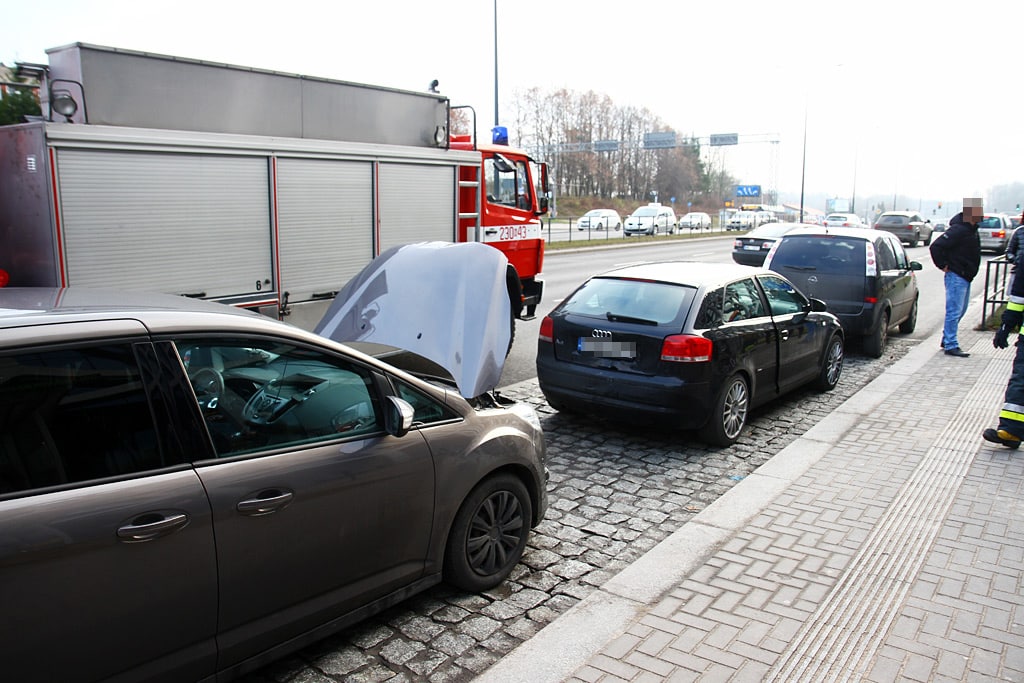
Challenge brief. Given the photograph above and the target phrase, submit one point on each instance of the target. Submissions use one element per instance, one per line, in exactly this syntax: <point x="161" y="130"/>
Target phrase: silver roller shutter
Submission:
<point x="181" y="223"/>
<point x="417" y="204"/>
<point x="325" y="214"/>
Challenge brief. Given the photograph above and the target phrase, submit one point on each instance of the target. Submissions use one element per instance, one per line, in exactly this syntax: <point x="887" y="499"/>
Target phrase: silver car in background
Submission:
<point x="188" y="491"/>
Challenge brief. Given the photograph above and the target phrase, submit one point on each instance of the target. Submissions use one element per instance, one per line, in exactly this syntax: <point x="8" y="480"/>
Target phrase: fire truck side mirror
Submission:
<point x="542" y="204"/>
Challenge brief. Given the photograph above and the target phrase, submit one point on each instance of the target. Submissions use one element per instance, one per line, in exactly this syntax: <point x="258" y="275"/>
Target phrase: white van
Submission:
<point x="650" y="220"/>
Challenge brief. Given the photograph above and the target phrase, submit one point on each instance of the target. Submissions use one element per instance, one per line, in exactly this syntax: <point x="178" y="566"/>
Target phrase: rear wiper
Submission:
<point x="615" y="317"/>
<point x="801" y="267"/>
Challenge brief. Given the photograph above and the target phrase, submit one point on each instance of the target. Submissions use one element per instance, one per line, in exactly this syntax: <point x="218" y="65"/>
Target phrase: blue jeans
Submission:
<point x="958" y="295"/>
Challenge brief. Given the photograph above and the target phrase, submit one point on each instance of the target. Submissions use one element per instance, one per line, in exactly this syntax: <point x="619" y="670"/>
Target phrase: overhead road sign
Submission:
<point x="606" y="145"/>
<point x="748" y="190"/>
<point x="725" y="139"/>
<point x="659" y="140"/>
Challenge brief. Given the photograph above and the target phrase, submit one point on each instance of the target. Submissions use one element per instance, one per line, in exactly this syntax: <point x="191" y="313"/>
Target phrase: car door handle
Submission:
<point x="265" y="502"/>
<point x="784" y="335"/>
<point x="151" y="525"/>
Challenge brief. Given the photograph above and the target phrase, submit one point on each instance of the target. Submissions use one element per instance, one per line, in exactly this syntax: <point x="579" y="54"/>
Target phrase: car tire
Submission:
<point x="600" y="227"/>
<point x="910" y="324"/>
<point x="729" y="413"/>
<point x="488" y="534"/>
<point x="832" y="365"/>
<point x="913" y="242"/>
<point x="874" y="343"/>
<point x="928" y="240"/>
<point x="618" y="225"/>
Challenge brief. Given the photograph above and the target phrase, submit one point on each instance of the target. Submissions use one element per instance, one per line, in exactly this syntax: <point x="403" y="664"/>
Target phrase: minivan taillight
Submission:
<point x="686" y="348"/>
<point x="547" y="329"/>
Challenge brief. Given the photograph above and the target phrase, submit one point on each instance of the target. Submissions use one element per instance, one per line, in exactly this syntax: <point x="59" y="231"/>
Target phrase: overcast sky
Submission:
<point x="901" y="96"/>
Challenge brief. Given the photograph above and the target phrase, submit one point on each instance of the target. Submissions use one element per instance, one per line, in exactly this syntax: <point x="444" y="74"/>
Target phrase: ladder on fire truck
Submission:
<point x="475" y="214"/>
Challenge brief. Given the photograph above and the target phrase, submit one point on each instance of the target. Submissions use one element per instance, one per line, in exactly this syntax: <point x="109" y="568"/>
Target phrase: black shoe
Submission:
<point x="957" y="351"/>
<point x="1001" y="437"/>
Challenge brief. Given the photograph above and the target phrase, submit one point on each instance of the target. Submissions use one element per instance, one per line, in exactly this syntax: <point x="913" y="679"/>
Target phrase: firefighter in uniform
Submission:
<point x="1011" y="418"/>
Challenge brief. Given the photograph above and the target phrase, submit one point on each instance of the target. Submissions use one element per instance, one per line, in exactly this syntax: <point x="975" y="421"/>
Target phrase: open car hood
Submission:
<point x="446" y="302"/>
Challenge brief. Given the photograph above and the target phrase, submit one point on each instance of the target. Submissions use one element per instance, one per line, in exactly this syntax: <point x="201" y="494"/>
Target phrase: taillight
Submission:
<point x="871" y="299"/>
<point x="5" y="277"/>
<point x="737" y="244"/>
<point x="684" y="348"/>
<point x="547" y="329"/>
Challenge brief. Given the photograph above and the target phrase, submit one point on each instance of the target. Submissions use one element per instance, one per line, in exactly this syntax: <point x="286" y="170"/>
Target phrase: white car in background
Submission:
<point x="600" y="219"/>
<point x="650" y="220"/>
<point x="844" y="220"/>
<point x="695" y="220"/>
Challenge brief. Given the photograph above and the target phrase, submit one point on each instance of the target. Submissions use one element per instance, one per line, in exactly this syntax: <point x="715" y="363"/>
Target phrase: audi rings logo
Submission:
<point x="601" y="334"/>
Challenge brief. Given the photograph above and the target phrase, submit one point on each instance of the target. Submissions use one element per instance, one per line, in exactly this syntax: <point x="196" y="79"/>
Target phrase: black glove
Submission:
<point x="1000" y="340"/>
<point x="1012" y="320"/>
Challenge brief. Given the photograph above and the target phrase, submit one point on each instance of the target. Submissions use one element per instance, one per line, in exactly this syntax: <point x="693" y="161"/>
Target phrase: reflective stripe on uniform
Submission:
<point x="1016" y="300"/>
<point x="1015" y="306"/>
<point x="1011" y="415"/>
<point x="1013" y="407"/>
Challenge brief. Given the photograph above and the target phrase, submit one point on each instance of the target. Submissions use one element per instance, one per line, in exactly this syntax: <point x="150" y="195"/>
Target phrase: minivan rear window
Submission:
<point x="821" y="253"/>
<point x="656" y="302"/>
<point x="894" y="220"/>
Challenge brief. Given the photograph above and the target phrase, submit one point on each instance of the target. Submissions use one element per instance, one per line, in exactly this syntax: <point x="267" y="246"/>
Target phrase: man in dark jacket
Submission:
<point x="957" y="252"/>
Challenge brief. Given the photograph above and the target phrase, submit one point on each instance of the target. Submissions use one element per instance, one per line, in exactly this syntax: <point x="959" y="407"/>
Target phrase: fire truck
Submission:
<point x="255" y="188"/>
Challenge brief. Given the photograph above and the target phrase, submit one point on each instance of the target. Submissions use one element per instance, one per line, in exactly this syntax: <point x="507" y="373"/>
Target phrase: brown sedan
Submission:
<point x="188" y="491"/>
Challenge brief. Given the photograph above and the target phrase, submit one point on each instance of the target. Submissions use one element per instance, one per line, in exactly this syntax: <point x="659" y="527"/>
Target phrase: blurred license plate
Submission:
<point x="606" y="348"/>
<point x="751" y="247"/>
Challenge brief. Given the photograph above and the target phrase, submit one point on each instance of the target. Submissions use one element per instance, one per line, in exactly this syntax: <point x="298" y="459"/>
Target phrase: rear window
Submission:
<point x="821" y="253"/>
<point x="652" y="302"/>
<point x="990" y="223"/>
<point x="894" y="220"/>
<point x="645" y="212"/>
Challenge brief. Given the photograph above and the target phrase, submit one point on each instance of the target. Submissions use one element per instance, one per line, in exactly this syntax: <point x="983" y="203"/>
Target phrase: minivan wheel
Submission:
<point x="874" y="343"/>
<point x="729" y="413"/>
<point x="489" y="534"/>
<point x="832" y="368"/>
<point x="908" y="325"/>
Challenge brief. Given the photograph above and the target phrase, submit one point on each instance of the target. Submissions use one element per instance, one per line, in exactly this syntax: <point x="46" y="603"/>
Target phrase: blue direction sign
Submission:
<point x="725" y="139"/>
<point x="606" y="145"/>
<point x="748" y="190"/>
<point x="659" y="140"/>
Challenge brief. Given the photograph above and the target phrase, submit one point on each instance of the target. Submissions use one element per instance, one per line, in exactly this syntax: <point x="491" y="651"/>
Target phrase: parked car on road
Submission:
<point x="751" y="249"/>
<point x="863" y="275"/>
<point x="844" y="220"/>
<point x="742" y="220"/>
<point x="939" y="226"/>
<point x="685" y="345"/>
<point x="695" y="220"/>
<point x="651" y="220"/>
<point x="994" y="232"/>
<point x="188" y="490"/>
<point x="908" y="226"/>
<point x="600" y="219"/>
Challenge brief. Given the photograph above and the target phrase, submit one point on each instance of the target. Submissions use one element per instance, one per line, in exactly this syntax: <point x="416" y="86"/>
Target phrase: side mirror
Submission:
<point x="914" y="265"/>
<point x="542" y="205"/>
<point x="398" y="415"/>
<point x="818" y="306"/>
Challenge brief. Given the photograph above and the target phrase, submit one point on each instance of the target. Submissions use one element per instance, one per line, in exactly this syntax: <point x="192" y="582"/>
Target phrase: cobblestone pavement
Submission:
<point x="614" y="494"/>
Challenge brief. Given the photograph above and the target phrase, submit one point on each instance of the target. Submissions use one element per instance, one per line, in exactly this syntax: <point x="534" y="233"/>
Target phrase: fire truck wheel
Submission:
<point x="511" y="333"/>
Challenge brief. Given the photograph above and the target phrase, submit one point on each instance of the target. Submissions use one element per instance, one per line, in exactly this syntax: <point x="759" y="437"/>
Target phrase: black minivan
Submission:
<point x="862" y="275"/>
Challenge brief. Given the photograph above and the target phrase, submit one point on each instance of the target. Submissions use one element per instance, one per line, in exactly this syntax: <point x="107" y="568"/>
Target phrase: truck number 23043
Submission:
<point x="513" y="232"/>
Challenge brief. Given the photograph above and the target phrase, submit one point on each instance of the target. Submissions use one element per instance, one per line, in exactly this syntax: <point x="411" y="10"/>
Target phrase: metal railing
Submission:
<point x="998" y="276"/>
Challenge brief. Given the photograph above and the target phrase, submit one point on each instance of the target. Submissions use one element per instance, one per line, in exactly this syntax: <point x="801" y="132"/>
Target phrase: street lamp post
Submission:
<point x="803" y="165"/>
<point x="495" y="62"/>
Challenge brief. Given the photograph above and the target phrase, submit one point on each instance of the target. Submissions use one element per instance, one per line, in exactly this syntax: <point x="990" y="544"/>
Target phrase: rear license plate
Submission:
<point x="751" y="247"/>
<point x="606" y="348"/>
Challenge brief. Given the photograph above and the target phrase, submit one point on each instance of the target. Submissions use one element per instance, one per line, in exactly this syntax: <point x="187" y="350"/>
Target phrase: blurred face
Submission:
<point x="973" y="211"/>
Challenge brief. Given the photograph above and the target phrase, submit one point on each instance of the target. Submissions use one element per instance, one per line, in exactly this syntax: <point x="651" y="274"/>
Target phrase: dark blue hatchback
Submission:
<point x="685" y="345"/>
